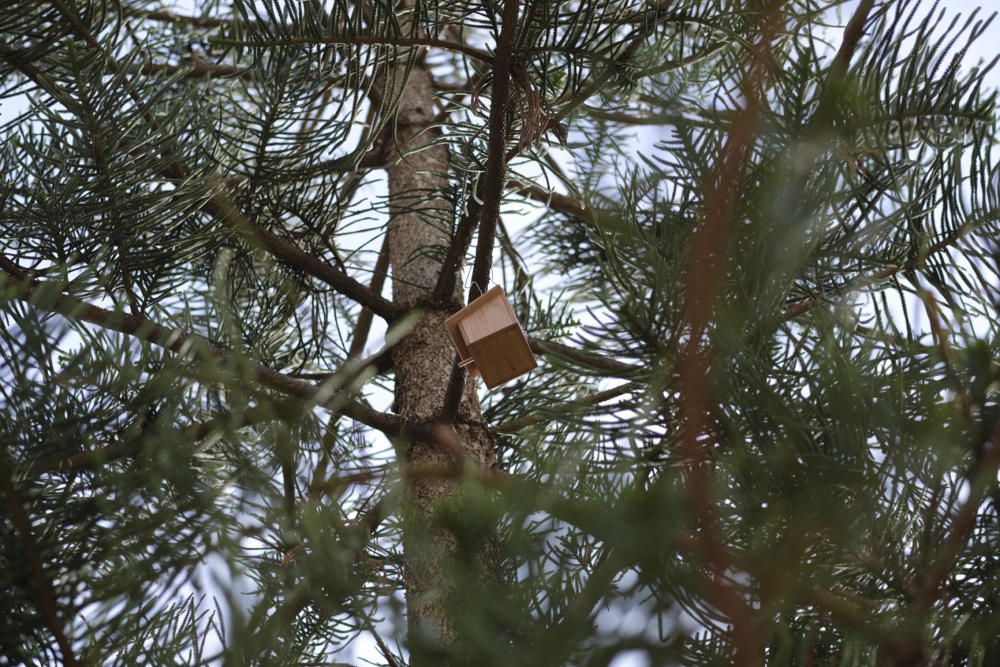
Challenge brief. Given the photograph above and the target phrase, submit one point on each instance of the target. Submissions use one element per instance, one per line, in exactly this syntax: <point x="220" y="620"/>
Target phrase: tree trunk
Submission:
<point x="419" y="234"/>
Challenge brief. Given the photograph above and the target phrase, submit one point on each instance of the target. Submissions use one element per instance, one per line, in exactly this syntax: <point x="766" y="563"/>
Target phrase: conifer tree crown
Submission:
<point x="752" y="244"/>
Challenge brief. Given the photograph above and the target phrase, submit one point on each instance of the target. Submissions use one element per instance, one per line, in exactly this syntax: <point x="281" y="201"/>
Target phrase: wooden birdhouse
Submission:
<point x="490" y="340"/>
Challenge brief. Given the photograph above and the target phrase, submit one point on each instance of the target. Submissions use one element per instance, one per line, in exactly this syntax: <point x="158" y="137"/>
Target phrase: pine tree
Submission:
<point x="765" y="424"/>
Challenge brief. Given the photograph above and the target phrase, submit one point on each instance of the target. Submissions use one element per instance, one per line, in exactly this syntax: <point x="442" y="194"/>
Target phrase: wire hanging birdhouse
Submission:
<point x="490" y="340"/>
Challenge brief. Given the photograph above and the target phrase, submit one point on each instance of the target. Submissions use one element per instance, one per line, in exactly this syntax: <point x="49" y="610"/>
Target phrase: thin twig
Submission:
<point x="804" y="306"/>
<point x="171" y="17"/>
<point x="196" y="69"/>
<point x="186" y="435"/>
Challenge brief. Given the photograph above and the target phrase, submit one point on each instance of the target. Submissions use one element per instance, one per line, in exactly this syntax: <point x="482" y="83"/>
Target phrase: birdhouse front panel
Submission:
<point x="503" y="355"/>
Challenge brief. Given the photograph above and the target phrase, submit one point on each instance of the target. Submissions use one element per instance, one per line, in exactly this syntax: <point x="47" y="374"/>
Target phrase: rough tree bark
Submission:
<point x="419" y="233"/>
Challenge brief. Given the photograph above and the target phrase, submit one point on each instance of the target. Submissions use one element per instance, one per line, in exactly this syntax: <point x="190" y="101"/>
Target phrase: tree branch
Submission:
<point x="47" y="296"/>
<point x="369" y="40"/>
<point x="964" y="521"/>
<point x="223" y="207"/>
<point x="557" y="202"/>
<point x="46" y="592"/>
<point x="515" y="425"/>
<point x="496" y="157"/>
<point x="170" y="17"/>
<point x="188" y="435"/>
<point x="587" y="359"/>
<point x="220" y="205"/>
<point x="444" y="290"/>
<point x="492" y="191"/>
<point x="804" y="306"/>
<point x="196" y="69"/>
<point x="364" y="323"/>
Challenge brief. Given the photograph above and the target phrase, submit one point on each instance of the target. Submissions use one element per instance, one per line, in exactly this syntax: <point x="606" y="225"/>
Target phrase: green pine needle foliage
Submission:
<point x="760" y="271"/>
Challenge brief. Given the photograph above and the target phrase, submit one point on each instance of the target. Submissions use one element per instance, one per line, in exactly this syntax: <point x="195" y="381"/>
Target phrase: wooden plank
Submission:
<point x="486" y="320"/>
<point x="503" y="355"/>
<point x="452" y="324"/>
